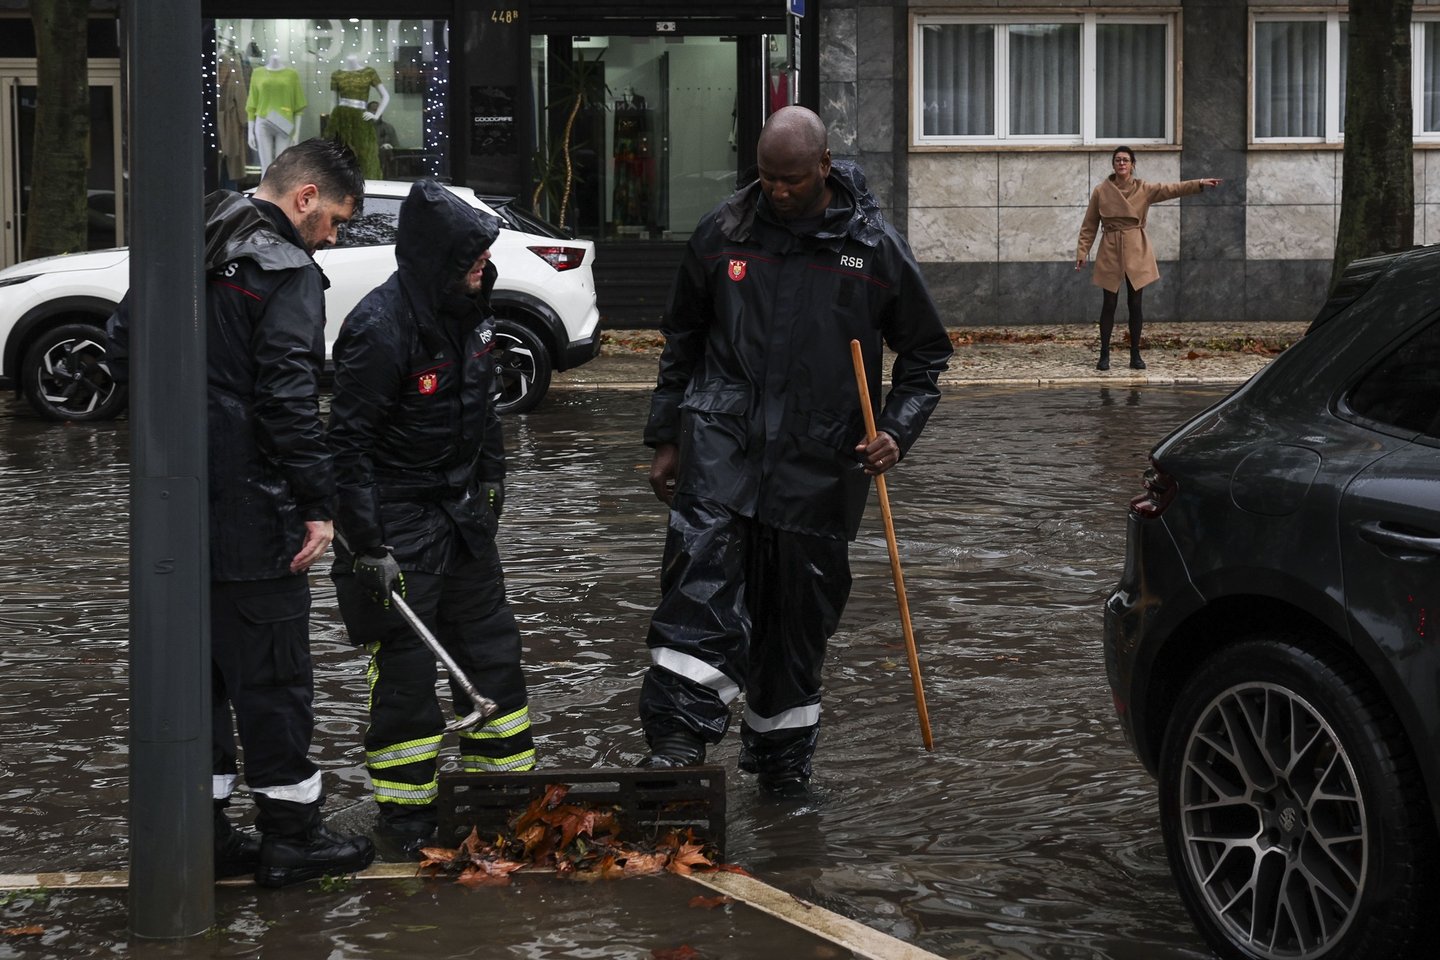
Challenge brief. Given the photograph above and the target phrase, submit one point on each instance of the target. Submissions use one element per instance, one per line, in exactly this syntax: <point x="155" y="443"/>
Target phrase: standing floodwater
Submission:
<point x="1030" y="827"/>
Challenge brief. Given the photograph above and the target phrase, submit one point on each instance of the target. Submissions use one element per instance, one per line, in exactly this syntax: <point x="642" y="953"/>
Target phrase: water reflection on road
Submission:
<point x="1030" y="827"/>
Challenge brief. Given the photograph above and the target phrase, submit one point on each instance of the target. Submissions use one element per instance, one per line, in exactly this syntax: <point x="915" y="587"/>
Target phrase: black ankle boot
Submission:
<point x="237" y="852"/>
<point x="1104" y="363"/>
<point x="679" y="749"/>
<point x="1135" y="362"/>
<point x="318" y="853"/>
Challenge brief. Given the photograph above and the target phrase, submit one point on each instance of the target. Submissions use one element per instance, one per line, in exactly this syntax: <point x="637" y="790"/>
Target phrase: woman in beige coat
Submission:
<point x="1119" y="205"/>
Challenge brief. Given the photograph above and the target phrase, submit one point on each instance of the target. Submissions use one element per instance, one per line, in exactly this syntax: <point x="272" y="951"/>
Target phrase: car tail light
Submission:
<point x="561" y="258"/>
<point x="1160" y="491"/>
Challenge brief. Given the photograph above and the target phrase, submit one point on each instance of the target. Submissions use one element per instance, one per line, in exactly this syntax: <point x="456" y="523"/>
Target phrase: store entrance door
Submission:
<point x="17" y="143"/>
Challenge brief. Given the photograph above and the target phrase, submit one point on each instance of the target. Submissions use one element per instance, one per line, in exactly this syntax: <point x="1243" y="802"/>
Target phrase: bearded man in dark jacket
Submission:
<point x="272" y="501"/>
<point x="421" y="465"/>
<point x="760" y="446"/>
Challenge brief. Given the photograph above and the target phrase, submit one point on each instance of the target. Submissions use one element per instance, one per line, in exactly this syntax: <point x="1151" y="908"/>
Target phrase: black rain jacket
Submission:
<point x="412" y="422"/>
<point x="756" y="382"/>
<point x="270" y="470"/>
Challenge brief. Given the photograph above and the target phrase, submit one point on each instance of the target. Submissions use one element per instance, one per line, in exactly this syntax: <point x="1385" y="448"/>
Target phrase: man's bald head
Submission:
<point x="794" y="162"/>
<point x="796" y="130"/>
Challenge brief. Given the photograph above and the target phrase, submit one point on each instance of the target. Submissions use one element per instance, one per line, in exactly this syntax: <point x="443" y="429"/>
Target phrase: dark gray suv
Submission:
<point x="1273" y="645"/>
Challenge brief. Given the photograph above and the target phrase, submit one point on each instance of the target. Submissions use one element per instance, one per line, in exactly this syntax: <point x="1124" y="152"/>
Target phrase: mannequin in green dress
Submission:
<point x="351" y="120"/>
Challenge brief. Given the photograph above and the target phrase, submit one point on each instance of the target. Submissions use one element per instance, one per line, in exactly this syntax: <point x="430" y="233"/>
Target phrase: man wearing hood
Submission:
<point x="421" y="466"/>
<point x="760" y="447"/>
<point x="271" y="501"/>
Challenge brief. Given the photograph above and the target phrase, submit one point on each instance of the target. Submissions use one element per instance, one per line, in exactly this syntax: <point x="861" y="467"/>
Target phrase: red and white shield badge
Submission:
<point x="429" y="382"/>
<point x="737" y="270"/>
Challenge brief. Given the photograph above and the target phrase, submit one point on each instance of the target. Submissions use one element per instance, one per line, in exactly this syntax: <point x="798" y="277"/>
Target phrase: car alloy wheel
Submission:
<point x="523" y="366"/>
<point x="66" y="376"/>
<point x="1291" y="809"/>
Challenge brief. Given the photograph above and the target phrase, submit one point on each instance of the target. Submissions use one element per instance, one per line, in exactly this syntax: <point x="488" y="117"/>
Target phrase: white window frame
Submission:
<point x="1168" y="18"/>
<point x="1334" y="133"/>
<point x="1417" y="76"/>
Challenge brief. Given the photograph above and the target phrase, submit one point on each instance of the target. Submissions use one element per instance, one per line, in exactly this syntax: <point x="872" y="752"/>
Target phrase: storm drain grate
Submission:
<point x="649" y="803"/>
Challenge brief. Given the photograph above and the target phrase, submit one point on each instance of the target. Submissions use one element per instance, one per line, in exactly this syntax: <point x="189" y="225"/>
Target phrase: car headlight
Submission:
<point x="11" y="281"/>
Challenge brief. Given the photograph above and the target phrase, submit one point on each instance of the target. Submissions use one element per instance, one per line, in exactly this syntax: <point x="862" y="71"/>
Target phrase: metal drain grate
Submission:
<point x="650" y="803"/>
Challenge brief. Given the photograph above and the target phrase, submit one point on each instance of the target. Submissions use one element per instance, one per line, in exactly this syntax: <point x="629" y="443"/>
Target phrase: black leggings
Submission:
<point x="1107" y="315"/>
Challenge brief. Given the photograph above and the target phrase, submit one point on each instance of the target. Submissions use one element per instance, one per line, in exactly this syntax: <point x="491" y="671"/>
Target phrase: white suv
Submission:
<point x="53" y="310"/>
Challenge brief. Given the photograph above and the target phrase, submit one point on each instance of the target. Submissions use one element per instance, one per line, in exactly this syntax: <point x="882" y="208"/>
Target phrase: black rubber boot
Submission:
<point x="237" y="851"/>
<point x="678" y="749"/>
<point x="320" y="852"/>
<point x="1135" y="362"/>
<point x="1104" y="363"/>
<point x="784" y="786"/>
<point x="401" y="836"/>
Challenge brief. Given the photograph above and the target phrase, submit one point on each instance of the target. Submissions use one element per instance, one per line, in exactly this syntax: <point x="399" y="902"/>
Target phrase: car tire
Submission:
<point x="65" y="376"/>
<point x="523" y="367"/>
<point x="1294" y="818"/>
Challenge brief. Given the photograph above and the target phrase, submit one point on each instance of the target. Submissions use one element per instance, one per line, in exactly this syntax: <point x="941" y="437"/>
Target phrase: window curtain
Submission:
<point x="1289" y="79"/>
<point x="958" y="87"/>
<point x="1130" y="81"/>
<point x="1429" y="66"/>
<point x="1044" y="79"/>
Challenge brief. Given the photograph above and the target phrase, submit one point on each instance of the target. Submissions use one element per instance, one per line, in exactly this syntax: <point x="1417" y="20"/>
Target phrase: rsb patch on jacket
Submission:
<point x="737" y="270"/>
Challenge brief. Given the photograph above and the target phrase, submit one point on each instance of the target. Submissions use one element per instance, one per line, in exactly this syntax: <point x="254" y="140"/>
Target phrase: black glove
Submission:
<point x="380" y="574"/>
<point x="494" y="493"/>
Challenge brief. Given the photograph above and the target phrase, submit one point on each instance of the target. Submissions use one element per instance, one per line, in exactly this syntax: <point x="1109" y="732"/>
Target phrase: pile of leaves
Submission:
<point x="576" y="840"/>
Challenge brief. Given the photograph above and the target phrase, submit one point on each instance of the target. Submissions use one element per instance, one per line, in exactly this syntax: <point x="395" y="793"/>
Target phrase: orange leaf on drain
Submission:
<point x="689" y="855"/>
<point x="34" y="930"/>
<point x="644" y="864"/>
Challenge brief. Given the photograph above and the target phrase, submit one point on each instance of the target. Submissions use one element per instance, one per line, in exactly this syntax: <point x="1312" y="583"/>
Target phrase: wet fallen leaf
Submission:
<point x="645" y="864"/>
<point x="682" y="952"/>
<point x="34" y="930"/>
<point x="733" y="868"/>
<point x="710" y="903"/>
<point x="689" y="855"/>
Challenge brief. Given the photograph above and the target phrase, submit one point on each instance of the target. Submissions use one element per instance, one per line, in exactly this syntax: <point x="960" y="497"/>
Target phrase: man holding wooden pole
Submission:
<point x="761" y="450"/>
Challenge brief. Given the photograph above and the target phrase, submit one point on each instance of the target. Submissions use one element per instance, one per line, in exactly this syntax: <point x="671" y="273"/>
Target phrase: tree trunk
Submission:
<point x="55" y="220"/>
<point x="1377" y="202"/>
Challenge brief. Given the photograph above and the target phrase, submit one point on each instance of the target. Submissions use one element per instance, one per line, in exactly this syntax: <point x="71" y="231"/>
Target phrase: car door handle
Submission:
<point x="1376" y="532"/>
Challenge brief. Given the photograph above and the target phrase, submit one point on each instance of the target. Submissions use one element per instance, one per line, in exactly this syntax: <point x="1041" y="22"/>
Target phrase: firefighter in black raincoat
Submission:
<point x="755" y="423"/>
<point x="271" y="502"/>
<point x="420" y="463"/>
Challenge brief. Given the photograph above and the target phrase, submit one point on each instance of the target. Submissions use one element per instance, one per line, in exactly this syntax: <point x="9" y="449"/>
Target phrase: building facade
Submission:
<point x="982" y="126"/>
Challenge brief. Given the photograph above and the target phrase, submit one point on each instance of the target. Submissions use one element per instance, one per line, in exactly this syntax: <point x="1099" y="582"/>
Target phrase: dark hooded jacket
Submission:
<point x="412" y="422"/>
<point x="265" y="347"/>
<point x="756" y="383"/>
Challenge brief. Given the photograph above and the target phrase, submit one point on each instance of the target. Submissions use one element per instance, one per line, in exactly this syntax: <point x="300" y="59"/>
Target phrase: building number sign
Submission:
<point x="664" y="26"/>
<point x="504" y="16"/>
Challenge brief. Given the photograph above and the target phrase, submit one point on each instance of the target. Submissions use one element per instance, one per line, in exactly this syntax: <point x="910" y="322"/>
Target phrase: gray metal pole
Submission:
<point x="172" y="891"/>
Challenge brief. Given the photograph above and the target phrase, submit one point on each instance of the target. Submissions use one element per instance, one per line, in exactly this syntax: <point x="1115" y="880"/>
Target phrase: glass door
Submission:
<point x="637" y="133"/>
<point x="106" y="223"/>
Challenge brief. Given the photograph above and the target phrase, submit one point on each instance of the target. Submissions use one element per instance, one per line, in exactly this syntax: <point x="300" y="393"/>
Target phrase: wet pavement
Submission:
<point x="1029" y="831"/>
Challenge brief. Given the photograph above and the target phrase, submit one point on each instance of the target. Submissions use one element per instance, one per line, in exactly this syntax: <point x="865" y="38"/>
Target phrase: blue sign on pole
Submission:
<point x="797" y="8"/>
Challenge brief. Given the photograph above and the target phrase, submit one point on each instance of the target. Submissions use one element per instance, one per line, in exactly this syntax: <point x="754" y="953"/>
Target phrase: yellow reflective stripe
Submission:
<point x="524" y="760"/>
<point x="511" y="723"/>
<point x="427" y="748"/>
<point x="388" y="791"/>
<point x="372" y="674"/>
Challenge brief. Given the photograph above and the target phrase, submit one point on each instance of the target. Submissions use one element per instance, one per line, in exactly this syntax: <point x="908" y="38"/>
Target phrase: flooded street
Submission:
<point x="1029" y="829"/>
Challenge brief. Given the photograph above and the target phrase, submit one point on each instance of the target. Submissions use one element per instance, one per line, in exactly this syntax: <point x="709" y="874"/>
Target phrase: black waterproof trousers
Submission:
<point x="743" y="607"/>
<point x="467" y="611"/>
<point x="260" y="668"/>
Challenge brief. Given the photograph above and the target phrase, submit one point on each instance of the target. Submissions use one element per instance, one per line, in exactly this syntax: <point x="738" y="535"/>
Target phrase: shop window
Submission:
<point x="1066" y="80"/>
<point x="636" y="136"/>
<point x="378" y="85"/>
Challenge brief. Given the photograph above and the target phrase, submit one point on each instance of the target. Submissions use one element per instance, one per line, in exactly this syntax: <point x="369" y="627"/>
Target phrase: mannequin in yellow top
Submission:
<point x="352" y="120"/>
<point x="272" y="109"/>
